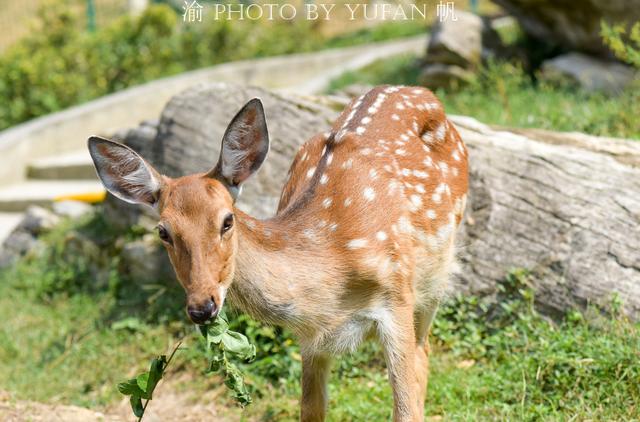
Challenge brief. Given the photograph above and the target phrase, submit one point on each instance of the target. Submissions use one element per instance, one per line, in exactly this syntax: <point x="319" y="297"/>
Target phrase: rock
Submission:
<point x="455" y="50"/>
<point x="354" y="90"/>
<point x="18" y="244"/>
<point x="146" y="260"/>
<point x="567" y="214"/>
<point x="72" y="209"/>
<point x="38" y="220"/>
<point x="448" y="76"/>
<point x="457" y="42"/>
<point x="590" y="73"/>
<point x="571" y="26"/>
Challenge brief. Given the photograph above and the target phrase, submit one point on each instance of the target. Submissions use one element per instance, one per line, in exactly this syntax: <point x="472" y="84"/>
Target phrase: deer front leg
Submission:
<point x="399" y="343"/>
<point x="315" y="374"/>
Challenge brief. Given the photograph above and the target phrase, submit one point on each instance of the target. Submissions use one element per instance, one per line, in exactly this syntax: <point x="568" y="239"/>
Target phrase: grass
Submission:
<point x="68" y="342"/>
<point x="503" y="94"/>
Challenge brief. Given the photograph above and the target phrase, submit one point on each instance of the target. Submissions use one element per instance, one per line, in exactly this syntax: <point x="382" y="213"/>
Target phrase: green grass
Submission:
<point x="503" y="94"/>
<point x="70" y="339"/>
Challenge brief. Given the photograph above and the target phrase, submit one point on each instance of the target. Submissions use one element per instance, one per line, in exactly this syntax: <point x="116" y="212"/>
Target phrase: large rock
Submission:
<point x="454" y="51"/>
<point x="567" y="213"/>
<point x="571" y="25"/>
<point x="456" y="42"/>
<point x="590" y="73"/>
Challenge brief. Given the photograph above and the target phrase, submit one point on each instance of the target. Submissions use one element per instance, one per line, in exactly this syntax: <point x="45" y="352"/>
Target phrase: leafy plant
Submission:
<point x="223" y="345"/>
<point x="624" y="43"/>
<point x="143" y="385"/>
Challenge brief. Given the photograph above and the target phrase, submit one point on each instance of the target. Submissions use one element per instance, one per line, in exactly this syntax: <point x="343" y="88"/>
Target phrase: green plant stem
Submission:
<point x="175" y="349"/>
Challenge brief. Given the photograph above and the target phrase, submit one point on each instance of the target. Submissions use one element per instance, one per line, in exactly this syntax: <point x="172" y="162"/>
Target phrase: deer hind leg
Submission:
<point x="315" y="374"/>
<point x="399" y="344"/>
<point x="423" y="319"/>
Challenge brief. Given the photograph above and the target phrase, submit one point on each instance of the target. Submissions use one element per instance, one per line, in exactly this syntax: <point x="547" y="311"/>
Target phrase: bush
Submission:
<point x="627" y="50"/>
<point x="60" y="65"/>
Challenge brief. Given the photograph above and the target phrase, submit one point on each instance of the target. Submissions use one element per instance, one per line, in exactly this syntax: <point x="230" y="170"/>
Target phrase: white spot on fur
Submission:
<point x="310" y="173"/>
<point x="369" y="194"/>
<point x="327" y="202"/>
<point x="441" y="132"/>
<point x="324" y="179"/>
<point x="404" y="225"/>
<point x="381" y="236"/>
<point x="357" y="243"/>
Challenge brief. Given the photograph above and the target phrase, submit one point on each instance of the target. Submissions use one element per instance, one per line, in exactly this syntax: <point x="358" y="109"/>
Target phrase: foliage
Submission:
<point x="224" y="344"/>
<point x="504" y="94"/>
<point x="60" y="65"/>
<point x="143" y="385"/>
<point x="627" y="50"/>
<point x="494" y="358"/>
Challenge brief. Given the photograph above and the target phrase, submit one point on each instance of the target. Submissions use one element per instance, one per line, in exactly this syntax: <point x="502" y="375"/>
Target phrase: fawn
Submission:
<point x="362" y="243"/>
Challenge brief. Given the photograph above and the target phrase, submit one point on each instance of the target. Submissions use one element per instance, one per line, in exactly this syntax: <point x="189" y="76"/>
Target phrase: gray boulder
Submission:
<point x="146" y="260"/>
<point x="572" y="25"/>
<point x="454" y="51"/>
<point x="18" y="244"/>
<point x="38" y="220"/>
<point x="457" y="42"/>
<point x="590" y="73"/>
<point x="72" y="209"/>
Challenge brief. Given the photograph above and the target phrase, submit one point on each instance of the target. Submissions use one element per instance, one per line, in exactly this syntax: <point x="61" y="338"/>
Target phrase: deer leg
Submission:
<point x="315" y="374"/>
<point x="423" y="319"/>
<point x="399" y="345"/>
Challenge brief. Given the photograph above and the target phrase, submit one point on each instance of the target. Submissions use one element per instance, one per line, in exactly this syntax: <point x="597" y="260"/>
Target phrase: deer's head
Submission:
<point x="196" y="212"/>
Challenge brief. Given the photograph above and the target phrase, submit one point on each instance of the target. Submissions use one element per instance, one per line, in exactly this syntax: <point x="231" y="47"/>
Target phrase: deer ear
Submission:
<point x="245" y="145"/>
<point x="124" y="173"/>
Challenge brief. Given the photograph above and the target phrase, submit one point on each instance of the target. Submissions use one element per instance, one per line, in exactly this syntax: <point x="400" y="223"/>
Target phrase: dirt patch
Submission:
<point x="172" y="401"/>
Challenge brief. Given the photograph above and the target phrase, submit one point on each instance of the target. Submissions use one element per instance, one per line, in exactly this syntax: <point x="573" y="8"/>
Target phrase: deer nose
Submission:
<point x="200" y="314"/>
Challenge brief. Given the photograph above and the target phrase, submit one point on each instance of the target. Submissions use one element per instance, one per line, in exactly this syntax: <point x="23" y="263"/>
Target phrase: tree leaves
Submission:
<point x="223" y="345"/>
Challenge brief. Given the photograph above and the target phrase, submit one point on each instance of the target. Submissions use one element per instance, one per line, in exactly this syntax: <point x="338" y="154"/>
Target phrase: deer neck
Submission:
<point x="280" y="266"/>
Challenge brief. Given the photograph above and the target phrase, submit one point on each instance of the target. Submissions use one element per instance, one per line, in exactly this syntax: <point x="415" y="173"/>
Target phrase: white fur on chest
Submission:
<point x="348" y="336"/>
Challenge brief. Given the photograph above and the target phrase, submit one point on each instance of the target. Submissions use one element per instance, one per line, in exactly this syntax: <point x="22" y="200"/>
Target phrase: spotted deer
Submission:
<point x="362" y="243"/>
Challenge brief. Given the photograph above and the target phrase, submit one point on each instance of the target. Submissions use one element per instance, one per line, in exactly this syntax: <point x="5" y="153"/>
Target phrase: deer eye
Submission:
<point x="227" y="223"/>
<point x="163" y="234"/>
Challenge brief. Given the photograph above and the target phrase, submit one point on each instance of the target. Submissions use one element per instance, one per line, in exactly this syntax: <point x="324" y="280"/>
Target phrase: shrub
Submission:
<point x="627" y="50"/>
<point x="60" y="65"/>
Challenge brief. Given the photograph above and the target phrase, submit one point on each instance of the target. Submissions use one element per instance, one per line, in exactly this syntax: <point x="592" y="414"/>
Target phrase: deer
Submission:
<point x="362" y="244"/>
